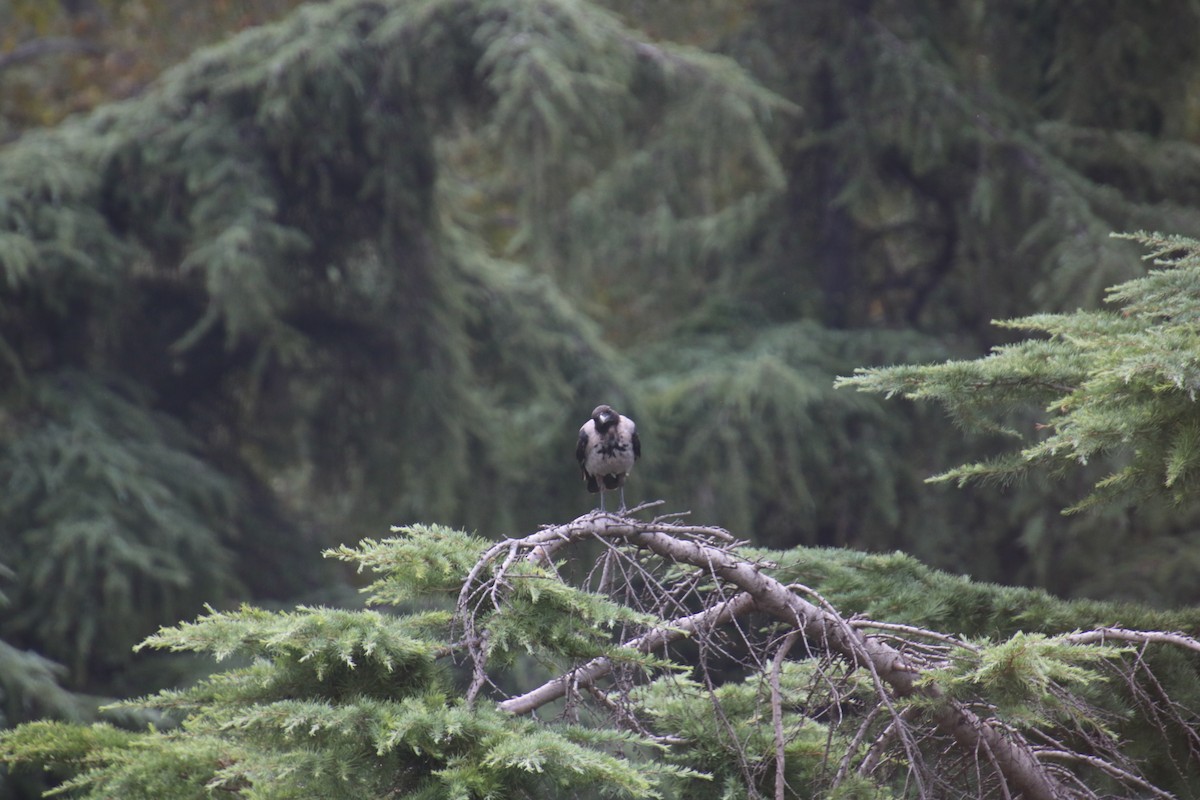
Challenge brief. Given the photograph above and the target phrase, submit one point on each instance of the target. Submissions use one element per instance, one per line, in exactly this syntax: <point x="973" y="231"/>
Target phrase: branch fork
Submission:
<point x="741" y="587"/>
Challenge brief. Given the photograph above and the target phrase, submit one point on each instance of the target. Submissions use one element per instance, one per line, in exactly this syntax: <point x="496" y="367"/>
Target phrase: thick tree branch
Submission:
<point x="821" y="628"/>
<point x="896" y="659"/>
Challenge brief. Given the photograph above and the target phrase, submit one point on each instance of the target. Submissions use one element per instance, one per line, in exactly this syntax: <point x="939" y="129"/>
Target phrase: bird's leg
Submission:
<point x="602" y="499"/>
<point x="621" y="510"/>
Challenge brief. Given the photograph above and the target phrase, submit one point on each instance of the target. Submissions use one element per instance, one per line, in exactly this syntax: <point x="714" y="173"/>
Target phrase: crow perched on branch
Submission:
<point x="608" y="446"/>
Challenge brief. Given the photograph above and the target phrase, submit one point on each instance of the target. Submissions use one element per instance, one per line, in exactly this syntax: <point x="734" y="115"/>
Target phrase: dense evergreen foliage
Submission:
<point x="374" y="264"/>
<point x="1114" y="388"/>
<point x="1121" y="380"/>
<point x="367" y="704"/>
<point x="265" y="249"/>
<point x="953" y="164"/>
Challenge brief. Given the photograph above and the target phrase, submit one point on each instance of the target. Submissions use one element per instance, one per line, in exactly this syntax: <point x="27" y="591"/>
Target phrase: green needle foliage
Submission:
<point x="281" y="239"/>
<point x="278" y="294"/>
<point x="116" y="521"/>
<point x="354" y="704"/>
<point x="1117" y="384"/>
<point x="366" y="704"/>
<point x="31" y="686"/>
<point x="782" y="453"/>
<point x="262" y="300"/>
<point x="722" y="743"/>
<point x="1022" y="673"/>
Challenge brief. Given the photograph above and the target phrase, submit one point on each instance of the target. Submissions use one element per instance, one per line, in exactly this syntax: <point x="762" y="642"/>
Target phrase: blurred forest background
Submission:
<point x="348" y="267"/>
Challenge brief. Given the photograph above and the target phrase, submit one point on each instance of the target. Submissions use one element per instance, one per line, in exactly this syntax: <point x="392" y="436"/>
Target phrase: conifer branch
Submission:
<point x="821" y="627"/>
<point x="901" y="660"/>
<point x="912" y="630"/>
<point x="1114" y="382"/>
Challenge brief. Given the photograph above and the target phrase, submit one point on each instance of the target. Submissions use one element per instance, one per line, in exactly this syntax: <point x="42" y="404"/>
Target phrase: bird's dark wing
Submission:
<point x="637" y="446"/>
<point x="581" y="449"/>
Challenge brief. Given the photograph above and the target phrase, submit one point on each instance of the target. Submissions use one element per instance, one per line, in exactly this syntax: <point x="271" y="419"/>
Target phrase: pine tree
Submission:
<point x="678" y="663"/>
<point x="950" y="164"/>
<point x="253" y="307"/>
<point x="219" y="255"/>
<point x="279" y="293"/>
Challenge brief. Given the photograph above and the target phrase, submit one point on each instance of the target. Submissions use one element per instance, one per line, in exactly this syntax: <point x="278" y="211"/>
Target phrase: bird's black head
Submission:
<point x="604" y="417"/>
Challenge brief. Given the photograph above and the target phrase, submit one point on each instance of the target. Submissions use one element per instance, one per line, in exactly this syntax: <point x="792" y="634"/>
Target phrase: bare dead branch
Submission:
<point x="777" y="712"/>
<point x="829" y="630"/>
<point x="1102" y="635"/>
<point x="651" y="504"/>
<point x="1107" y="767"/>
<point x="910" y="630"/>
<point x="1162" y="709"/>
<point x="739" y="586"/>
<point x="882" y="741"/>
<point x="599" y="667"/>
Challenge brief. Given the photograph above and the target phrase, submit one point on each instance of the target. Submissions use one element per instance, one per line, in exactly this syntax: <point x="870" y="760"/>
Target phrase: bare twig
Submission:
<point x="599" y="667"/>
<point x="1102" y="635"/>
<point x="871" y="761"/>
<point x="1107" y="767"/>
<point x="910" y="630"/>
<point x="777" y="712"/>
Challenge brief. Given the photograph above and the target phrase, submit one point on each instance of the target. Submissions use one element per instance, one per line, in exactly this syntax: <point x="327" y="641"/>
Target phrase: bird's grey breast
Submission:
<point x="612" y="445"/>
<point x="611" y="452"/>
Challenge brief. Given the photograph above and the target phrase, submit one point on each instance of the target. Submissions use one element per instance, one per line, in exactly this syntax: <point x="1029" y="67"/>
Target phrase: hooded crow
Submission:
<point x="608" y="446"/>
